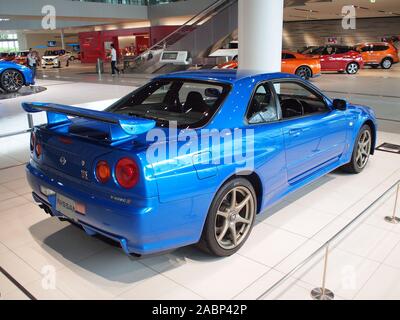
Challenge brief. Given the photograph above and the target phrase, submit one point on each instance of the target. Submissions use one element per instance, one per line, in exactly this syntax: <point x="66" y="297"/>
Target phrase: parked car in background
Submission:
<point x="112" y="174"/>
<point x="293" y="63"/>
<point x="55" y="58"/>
<point x="7" y="56"/>
<point x="14" y="76"/>
<point x="377" y="54"/>
<point x="21" y="57"/>
<point x="337" y="58"/>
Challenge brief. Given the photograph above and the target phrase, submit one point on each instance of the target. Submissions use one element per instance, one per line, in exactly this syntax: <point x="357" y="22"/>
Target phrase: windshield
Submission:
<point x="191" y="104"/>
<point x="313" y="50"/>
<point x="53" y="52"/>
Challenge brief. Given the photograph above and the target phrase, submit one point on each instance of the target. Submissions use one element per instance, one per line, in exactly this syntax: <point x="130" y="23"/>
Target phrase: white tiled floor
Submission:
<point x="364" y="264"/>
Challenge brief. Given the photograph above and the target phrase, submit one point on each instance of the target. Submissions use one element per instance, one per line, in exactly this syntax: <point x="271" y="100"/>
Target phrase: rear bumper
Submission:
<point x="144" y="227"/>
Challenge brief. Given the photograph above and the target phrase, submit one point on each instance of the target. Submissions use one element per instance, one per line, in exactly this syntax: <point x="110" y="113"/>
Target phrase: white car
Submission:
<point x="56" y="58"/>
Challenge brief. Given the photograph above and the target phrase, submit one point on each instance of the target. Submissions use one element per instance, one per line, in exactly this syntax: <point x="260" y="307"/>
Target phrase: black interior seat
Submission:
<point x="195" y="103"/>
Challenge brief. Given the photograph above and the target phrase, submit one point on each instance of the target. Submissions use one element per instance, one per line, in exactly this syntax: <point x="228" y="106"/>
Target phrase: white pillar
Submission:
<point x="62" y="39"/>
<point x="260" y="35"/>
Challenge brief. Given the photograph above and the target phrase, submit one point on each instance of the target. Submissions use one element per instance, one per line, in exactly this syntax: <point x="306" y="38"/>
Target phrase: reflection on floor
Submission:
<point x="37" y="249"/>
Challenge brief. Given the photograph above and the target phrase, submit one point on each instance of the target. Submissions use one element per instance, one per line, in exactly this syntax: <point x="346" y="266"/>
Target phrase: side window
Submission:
<point x="366" y="49"/>
<point x="262" y="108"/>
<point x="297" y="100"/>
<point x="380" y="48"/>
<point x="329" y="51"/>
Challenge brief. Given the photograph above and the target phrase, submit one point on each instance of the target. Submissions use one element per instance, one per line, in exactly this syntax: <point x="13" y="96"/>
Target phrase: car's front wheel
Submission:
<point x="352" y="68"/>
<point x="230" y="219"/>
<point x="11" y="80"/>
<point x="362" y="151"/>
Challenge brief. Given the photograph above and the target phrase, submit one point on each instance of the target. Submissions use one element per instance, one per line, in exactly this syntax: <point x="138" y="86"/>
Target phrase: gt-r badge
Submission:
<point x="63" y="161"/>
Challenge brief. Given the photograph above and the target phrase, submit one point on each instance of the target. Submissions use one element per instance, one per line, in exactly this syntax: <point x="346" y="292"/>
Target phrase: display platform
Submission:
<point x="25" y="91"/>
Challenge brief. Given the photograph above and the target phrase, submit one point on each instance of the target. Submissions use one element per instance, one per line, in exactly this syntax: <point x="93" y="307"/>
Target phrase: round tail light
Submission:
<point x="103" y="172"/>
<point x="38" y="150"/>
<point x="32" y="143"/>
<point x="127" y="173"/>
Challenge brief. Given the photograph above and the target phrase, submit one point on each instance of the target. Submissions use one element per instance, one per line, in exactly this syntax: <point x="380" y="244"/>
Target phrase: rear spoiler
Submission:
<point x="120" y="126"/>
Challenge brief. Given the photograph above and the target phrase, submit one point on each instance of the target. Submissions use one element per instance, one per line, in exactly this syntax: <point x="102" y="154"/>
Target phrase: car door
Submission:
<point x="314" y="135"/>
<point x="263" y="118"/>
<point x="367" y="53"/>
<point x="329" y="59"/>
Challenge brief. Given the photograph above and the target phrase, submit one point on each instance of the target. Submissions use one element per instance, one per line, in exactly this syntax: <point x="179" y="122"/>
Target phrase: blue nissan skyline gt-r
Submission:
<point x="192" y="157"/>
<point x="14" y="76"/>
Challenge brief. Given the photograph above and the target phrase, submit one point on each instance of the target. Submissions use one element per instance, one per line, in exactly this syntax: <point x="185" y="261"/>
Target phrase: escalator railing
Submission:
<point x="154" y="52"/>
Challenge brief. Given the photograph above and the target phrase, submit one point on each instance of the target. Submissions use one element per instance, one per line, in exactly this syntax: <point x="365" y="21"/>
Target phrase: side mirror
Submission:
<point x="339" y="104"/>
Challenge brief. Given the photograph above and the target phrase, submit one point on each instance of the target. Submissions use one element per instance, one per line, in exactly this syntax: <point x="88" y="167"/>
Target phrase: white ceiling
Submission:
<point x="313" y="10"/>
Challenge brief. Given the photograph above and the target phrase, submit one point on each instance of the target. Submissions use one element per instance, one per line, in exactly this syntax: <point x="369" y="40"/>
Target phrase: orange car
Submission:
<point x="294" y="63"/>
<point x="379" y="54"/>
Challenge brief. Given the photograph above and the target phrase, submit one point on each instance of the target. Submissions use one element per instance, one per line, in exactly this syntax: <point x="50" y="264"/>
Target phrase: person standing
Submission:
<point x="114" y="60"/>
<point x="32" y="62"/>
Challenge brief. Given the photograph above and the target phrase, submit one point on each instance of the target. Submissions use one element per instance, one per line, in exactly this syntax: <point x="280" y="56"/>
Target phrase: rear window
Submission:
<point x="191" y="104"/>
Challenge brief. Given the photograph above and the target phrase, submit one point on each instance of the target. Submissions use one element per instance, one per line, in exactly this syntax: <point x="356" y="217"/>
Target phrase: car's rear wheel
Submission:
<point x="11" y="80"/>
<point x="352" y="68"/>
<point x="387" y="63"/>
<point x="361" y="152"/>
<point x="230" y="219"/>
<point x="304" y="72"/>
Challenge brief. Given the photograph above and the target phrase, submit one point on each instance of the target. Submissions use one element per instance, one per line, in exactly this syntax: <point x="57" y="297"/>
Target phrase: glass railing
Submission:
<point x="132" y="2"/>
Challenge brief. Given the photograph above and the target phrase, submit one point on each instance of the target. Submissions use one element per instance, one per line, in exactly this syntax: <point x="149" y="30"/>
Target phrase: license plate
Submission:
<point x="65" y="206"/>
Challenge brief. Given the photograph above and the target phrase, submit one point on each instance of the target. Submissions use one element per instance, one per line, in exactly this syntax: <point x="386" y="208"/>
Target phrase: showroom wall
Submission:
<point x="307" y="33"/>
<point x="39" y="41"/>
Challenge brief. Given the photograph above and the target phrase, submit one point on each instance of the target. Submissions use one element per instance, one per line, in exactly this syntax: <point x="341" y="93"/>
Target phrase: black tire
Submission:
<point x="304" y="72"/>
<point x="387" y="63"/>
<point x="355" y="167"/>
<point x="223" y="199"/>
<point x="352" y="68"/>
<point x="11" y="80"/>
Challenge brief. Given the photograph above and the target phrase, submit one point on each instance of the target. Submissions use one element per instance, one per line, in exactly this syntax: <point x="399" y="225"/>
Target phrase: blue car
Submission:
<point x="192" y="157"/>
<point x="14" y="76"/>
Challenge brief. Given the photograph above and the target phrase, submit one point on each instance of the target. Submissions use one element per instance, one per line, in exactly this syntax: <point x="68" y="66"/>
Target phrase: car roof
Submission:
<point x="225" y="76"/>
<point x="374" y="44"/>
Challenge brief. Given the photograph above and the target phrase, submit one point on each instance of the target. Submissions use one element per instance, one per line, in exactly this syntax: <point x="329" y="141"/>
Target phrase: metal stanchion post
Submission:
<point x="30" y="121"/>
<point x="394" y="219"/>
<point x="99" y="67"/>
<point x="323" y="293"/>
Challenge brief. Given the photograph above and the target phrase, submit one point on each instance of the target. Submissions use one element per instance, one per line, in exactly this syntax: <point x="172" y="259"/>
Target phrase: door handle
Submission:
<point x="295" y="132"/>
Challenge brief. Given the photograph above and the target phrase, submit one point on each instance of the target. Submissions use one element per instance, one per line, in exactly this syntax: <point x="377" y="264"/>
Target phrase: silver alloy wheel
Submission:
<point x="12" y="80"/>
<point x="304" y="73"/>
<point x="352" y="68"/>
<point x="364" y="149"/>
<point x="234" y="218"/>
<point x="387" y="64"/>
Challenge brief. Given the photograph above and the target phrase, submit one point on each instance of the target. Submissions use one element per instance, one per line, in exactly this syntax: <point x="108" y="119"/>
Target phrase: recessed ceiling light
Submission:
<point x="4" y="19"/>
